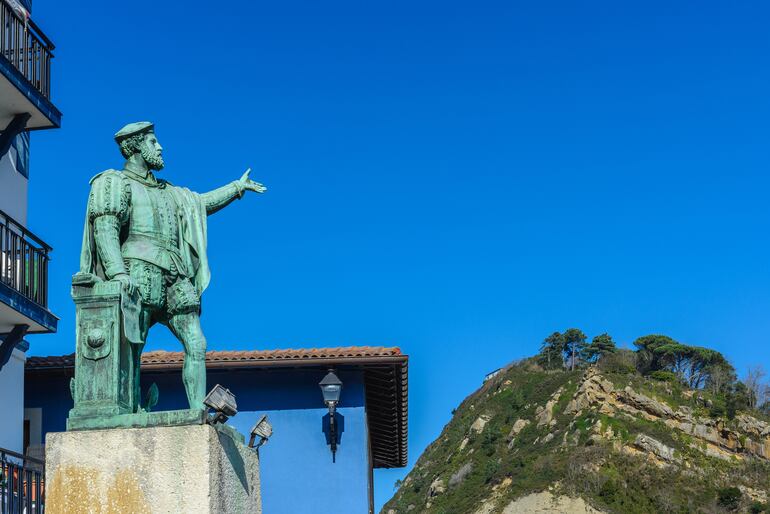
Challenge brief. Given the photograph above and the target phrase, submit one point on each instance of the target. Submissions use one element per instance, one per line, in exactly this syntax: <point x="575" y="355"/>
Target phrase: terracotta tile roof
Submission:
<point x="159" y="358"/>
<point x="53" y="361"/>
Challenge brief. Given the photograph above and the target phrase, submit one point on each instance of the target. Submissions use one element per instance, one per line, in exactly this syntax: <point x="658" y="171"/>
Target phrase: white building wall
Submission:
<point x="13" y="188"/>
<point x="12" y="402"/>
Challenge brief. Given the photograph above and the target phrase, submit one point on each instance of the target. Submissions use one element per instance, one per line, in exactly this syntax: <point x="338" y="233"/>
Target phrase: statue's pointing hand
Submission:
<point x="250" y="185"/>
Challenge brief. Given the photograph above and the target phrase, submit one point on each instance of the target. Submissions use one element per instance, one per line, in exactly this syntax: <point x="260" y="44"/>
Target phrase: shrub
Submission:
<point x="729" y="497"/>
<point x="665" y="376"/>
<point x="737" y="399"/>
<point x="490" y="470"/>
<point x="621" y="362"/>
<point x="488" y="442"/>
<point x="718" y="408"/>
<point x="517" y="399"/>
<point x="609" y="491"/>
<point x="757" y="507"/>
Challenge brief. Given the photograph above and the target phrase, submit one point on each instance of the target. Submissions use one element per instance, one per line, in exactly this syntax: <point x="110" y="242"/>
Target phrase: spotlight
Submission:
<point x="222" y="402"/>
<point x="262" y="429"/>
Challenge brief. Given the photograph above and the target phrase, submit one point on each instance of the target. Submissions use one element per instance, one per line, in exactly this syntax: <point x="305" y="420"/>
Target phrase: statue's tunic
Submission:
<point x="153" y="231"/>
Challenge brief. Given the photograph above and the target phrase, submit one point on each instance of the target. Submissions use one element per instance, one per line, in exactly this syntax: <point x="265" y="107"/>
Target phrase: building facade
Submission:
<point x="299" y="474"/>
<point x="25" y="106"/>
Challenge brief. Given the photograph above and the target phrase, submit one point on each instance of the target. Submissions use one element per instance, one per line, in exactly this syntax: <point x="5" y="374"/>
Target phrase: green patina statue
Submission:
<point x="143" y="261"/>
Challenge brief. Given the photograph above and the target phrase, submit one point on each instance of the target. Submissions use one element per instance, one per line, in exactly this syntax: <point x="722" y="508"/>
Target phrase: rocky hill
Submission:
<point x="597" y="439"/>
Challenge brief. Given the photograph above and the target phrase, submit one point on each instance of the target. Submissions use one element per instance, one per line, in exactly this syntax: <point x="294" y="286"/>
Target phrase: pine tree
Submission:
<point x="599" y="347"/>
<point x="551" y="351"/>
<point x="574" y="341"/>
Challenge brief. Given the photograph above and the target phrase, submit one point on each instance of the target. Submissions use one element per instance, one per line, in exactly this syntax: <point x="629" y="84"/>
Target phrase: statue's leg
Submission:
<point x="152" y="291"/>
<point x="145" y="322"/>
<point x="187" y="328"/>
<point x="183" y="304"/>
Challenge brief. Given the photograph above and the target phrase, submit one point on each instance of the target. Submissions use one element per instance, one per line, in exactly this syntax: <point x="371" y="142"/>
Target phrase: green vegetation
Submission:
<point x="729" y="498"/>
<point x="569" y="349"/>
<point x="551" y="354"/>
<point x="601" y="346"/>
<point x="578" y="453"/>
<point x="694" y="366"/>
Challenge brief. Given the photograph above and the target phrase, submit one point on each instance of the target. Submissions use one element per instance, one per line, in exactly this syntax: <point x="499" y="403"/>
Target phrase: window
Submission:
<point x="21" y="149"/>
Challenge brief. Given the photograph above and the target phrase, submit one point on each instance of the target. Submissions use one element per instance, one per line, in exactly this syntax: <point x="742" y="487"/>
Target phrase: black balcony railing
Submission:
<point x="23" y="260"/>
<point x="22" y="484"/>
<point x="25" y="46"/>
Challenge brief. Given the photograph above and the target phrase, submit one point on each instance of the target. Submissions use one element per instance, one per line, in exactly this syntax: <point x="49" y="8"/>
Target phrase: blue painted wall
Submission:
<point x="297" y="472"/>
<point x="52" y="395"/>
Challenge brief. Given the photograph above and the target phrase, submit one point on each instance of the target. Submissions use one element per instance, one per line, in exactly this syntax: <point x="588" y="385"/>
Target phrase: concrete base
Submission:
<point x="191" y="469"/>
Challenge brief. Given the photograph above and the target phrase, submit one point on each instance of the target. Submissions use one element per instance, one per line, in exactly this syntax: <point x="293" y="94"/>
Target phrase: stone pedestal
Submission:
<point x="190" y="469"/>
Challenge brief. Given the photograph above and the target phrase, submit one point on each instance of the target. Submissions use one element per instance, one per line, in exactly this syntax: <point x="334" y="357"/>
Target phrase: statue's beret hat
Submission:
<point x="133" y="129"/>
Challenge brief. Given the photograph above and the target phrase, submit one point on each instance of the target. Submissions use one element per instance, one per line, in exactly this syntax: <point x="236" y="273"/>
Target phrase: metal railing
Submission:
<point x="25" y="46"/>
<point x="22" y="484"/>
<point x="23" y="260"/>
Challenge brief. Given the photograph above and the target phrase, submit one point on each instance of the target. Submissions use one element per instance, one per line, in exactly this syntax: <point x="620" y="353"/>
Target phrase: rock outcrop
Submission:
<point x="655" y="448"/>
<point x="480" y="423"/>
<point x="545" y="414"/>
<point x="436" y="487"/>
<point x="546" y="502"/>
<point x="517" y="427"/>
<point x="713" y="436"/>
<point x="460" y="475"/>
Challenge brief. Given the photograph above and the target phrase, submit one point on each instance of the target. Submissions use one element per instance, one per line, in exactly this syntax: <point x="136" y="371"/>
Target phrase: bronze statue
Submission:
<point x="150" y="237"/>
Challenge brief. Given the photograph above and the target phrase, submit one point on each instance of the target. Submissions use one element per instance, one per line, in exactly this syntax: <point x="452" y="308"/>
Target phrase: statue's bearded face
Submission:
<point x="152" y="152"/>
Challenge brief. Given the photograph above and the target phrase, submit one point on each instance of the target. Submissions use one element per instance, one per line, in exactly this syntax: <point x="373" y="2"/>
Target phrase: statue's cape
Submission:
<point x="191" y="212"/>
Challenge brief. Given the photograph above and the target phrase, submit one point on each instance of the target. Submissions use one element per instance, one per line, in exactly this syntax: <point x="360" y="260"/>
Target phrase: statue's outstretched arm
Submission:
<point x="223" y="196"/>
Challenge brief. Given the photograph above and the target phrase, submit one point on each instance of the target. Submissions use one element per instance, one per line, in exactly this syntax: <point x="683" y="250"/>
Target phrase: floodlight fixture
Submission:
<point x="222" y="402"/>
<point x="262" y="430"/>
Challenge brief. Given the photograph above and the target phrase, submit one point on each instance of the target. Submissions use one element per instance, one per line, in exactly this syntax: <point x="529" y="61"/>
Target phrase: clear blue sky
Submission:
<point x="457" y="179"/>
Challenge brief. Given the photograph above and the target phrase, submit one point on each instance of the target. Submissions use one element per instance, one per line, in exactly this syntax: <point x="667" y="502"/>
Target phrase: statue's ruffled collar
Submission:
<point x="145" y="177"/>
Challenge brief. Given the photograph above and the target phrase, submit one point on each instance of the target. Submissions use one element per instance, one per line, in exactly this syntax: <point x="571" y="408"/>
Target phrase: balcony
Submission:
<point x="23" y="279"/>
<point x="25" y="69"/>
<point x="22" y="484"/>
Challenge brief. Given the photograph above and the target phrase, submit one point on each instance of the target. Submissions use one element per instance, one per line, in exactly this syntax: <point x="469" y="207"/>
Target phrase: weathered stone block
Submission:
<point x="191" y="469"/>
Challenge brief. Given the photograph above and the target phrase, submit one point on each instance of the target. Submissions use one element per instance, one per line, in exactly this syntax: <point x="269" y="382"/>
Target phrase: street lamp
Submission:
<point x="331" y="387"/>
<point x="262" y="429"/>
<point x="222" y="402"/>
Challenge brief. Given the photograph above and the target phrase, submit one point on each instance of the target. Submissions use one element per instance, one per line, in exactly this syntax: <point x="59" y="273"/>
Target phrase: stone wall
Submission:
<point x="191" y="469"/>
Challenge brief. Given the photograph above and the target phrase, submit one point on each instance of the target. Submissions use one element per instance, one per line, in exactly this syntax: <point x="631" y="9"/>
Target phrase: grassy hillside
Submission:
<point x="621" y="441"/>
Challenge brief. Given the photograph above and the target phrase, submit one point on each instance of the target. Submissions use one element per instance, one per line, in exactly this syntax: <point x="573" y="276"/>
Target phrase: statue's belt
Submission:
<point x="154" y="249"/>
